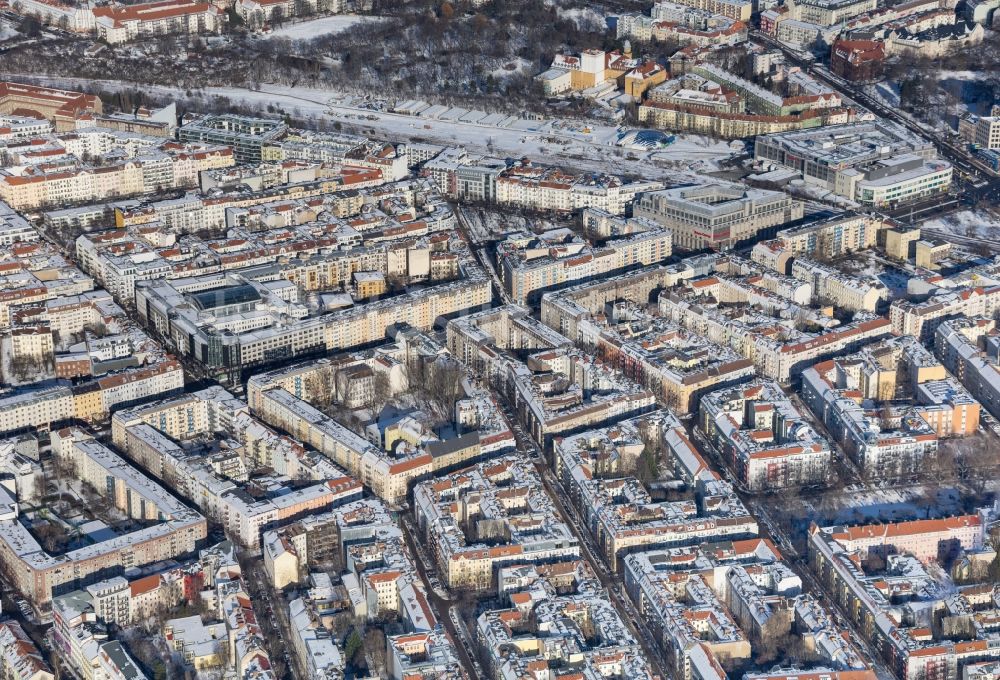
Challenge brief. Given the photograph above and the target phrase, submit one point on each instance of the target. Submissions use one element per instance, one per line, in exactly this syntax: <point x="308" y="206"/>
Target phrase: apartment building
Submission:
<point x="389" y="478"/>
<point x="22" y="127"/>
<point x="311" y="641"/>
<point x="92" y="400"/>
<point x="708" y="99"/>
<point x="889" y="440"/>
<point x="389" y="160"/>
<point x="778" y="357"/>
<point x="766" y="441"/>
<point x="920" y="538"/>
<point x="38" y="409"/>
<point x="33" y="189"/>
<point x="738" y="10"/>
<point x="153" y="169"/>
<point x="292" y="550"/>
<point x="716" y="216"/>
<point x="773" y="256"/>
<point x="674" y="21"/>
<point x="530" y="265"/>
<point x="318" y="234"/>
<point x="246" y="136"/>
<point x="526" y="185"/>
<point x="830" y="12"/>
<point x="382" y="585"/>
<point x="565" y="310"/>
<point x="839" y="556"/>
<point x="119" y="24"/>
<point x="987" y="133"/>
<point x="257" y="13"/>
<point x="712" y="603"/>
<point x="687" y="114"/>
<point x="79" y="629"/>
<point x="177" y="530"/>
<point x="761" y="101"/>
<point x="19" y="657"/>
<point x="849" y="292"/>
<point x="921" y="319"/>
<point x="401" y="454"/>
<point x="595" y="468"/>
<point x="968" y="348"/>
<point x="832" y="236"/>
<point x="464" y="176"/>
<point x="676" y="365"/>
<point x="59" y="106"/>
<point x="548" y="613"/>
<point x="422" y="654"/>
<point x="558" y="389"/>
<point x="227" y="483"/>
<point x="513" y="516"/>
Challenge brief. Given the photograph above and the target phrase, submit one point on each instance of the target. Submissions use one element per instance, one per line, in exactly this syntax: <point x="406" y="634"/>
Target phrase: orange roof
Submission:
<point x="144" y="585"/>
<point x="916" y="527"/>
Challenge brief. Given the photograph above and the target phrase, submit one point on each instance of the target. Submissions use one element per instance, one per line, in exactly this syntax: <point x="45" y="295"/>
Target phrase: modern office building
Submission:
<point x="717" y="216"/>
<point x="247" y="136"/>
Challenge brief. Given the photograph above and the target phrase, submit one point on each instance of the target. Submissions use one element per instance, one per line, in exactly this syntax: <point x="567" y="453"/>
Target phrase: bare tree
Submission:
<point x="375" y="650"/>
<point x="319" y="387"/>
<point x="381" y="391"/>
<point x="278" y="17"/>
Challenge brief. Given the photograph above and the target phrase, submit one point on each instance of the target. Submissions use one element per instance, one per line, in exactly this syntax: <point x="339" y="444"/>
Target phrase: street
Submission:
<point x="272" y="616"/>
<point x="948" y="150"/>
<point x="637" y="624"/>
<point x="443" y="609"/>
<point x="482" y="257"/>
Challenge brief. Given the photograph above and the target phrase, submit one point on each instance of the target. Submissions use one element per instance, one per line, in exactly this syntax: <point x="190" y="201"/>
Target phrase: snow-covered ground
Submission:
<point x="887" y="91"/>
<point x="804" y="189"/>
<point x="317" y="27"/>
<point x="868" y="264"/>
<point x="971" y="223"/>
<point x="585" y="18"/>
<point x="694" y="148"/>
<point x="7" y="32"/>
<point x="887" y="505"/>
<point x="963" y="75"/>
<point x="583" y="145"/>
<point x="516" y="65"/>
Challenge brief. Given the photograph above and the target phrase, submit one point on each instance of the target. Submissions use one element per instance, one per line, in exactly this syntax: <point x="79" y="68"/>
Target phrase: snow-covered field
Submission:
<point x="583" y="145"/>
<point x="971" y="223"/>
<point x="317" y="27"/>
<point x="692" y="148"/>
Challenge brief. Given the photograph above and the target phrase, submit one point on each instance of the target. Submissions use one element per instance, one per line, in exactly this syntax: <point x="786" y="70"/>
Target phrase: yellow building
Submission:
<point x="899" y="242"/>
<point x="281" y="561"/>
<point x="369" y="284"/>
<point x="929" y="253"/>
<point x="88" y="402"/>
<point x="643" y="77"/>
